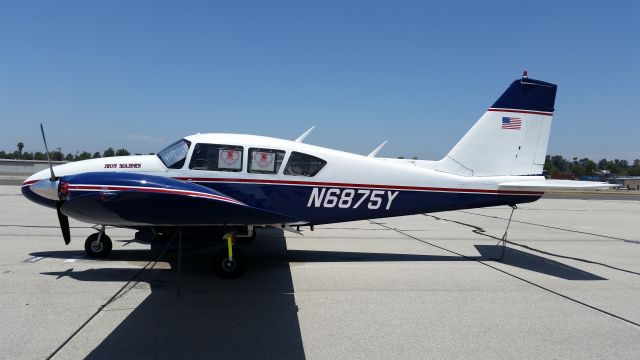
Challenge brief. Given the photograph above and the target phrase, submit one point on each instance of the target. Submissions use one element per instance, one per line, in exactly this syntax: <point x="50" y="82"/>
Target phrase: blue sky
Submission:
<point x="139" y="74"/>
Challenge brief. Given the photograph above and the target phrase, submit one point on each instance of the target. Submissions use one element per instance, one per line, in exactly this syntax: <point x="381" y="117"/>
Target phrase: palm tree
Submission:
<point x="20" y="146"/>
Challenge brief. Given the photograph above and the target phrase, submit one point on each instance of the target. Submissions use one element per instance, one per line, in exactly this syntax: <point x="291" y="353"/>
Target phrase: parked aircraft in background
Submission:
<point x="206" y="184"/>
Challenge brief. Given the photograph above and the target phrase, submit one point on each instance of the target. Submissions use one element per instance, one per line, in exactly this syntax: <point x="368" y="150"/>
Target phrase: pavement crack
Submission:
<point x="120" y="309"/>
<point x="483" y="262"/>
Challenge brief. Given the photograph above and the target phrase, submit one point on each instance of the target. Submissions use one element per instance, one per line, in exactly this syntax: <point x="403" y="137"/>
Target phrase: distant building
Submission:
<point x="628" y="182"/>
<point x="563" y="177"/>
<point x="12" y="167"/>
<point x="595" y="178"/>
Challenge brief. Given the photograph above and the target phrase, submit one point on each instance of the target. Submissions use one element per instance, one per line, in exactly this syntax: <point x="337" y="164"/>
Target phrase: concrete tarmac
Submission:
<point x="415" y="287"/>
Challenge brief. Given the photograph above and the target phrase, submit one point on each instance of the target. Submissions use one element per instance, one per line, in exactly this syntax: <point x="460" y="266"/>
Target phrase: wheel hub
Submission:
<point x="97" y="246"/>
<point x="229" y="265"/>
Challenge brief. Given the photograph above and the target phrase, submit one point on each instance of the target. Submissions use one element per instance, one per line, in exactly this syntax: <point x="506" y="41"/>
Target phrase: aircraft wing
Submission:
<point x="544" y="185"/>
<point x="133" y="199"/>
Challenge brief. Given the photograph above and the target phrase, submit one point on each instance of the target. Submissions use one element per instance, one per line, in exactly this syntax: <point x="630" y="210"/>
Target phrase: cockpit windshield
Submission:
<point x="174" y="155"/>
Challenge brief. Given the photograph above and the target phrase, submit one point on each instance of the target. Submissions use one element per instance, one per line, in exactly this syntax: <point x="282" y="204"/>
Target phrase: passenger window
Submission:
<point x="216" y="157"/>
<point x="300" y="164"/>
<point x="265" y="161"/>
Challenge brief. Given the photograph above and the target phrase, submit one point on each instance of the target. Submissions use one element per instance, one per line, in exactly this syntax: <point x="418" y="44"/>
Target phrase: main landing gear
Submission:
<point x="98" y="245"/>
<point x="229" y="262"/>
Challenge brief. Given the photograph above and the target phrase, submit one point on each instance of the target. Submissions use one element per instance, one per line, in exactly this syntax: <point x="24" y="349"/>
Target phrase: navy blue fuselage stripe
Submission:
<point x="292" y="199"/>
<point x="204" y="181"/>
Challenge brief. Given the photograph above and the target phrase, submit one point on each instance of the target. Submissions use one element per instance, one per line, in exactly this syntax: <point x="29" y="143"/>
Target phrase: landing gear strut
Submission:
<point x="98" y="245"/>
<point x="247" y="239"/>
<point x="229" y="262"/>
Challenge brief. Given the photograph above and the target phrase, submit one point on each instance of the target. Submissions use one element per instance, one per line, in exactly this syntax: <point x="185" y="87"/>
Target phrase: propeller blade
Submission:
<point x="64" y="224"/>
<point x="53" y="176"/>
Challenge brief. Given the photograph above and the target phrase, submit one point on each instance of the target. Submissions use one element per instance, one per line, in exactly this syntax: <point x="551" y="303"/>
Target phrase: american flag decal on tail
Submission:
<point x="512" y="123"/>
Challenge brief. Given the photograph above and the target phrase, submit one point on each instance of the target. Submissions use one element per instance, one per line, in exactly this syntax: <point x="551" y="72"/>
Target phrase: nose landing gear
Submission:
<point x="98" y="245"/>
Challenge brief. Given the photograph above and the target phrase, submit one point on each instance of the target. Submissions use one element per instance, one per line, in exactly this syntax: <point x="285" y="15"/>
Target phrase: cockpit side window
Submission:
<point x="265" y="161"/>
<point x="300" y="164"/>
<point x="174" y="155"/>
<point x="215" y="157"/>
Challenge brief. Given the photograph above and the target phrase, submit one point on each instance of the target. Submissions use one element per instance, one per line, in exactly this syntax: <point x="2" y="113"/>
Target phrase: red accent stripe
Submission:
<point x="153" y="190"/>
<point x="398" y="187"/>
<point x="29" y="182"/>
<point x="521" y="111"/>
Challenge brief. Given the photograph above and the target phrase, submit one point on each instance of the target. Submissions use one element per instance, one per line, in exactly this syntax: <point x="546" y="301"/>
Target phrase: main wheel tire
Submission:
<point x="226" y="268"/>
<point x="98" y="249"/>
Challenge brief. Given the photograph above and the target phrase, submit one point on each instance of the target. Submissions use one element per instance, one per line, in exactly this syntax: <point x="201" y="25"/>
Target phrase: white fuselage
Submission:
<point x="341" y="168"/>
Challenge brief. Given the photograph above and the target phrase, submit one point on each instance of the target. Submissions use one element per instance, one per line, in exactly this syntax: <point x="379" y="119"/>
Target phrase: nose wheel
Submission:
<point x="229" y="262"/>
<point x="98" y="245"/>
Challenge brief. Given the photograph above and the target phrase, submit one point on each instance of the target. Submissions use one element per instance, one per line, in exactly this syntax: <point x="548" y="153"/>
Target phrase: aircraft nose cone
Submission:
<point x="46" y="188"/>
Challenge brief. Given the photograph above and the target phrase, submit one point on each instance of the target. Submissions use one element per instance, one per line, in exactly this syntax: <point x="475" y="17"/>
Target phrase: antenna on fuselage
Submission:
<point x="377" y="150"/>
<point x="304" y="135"/>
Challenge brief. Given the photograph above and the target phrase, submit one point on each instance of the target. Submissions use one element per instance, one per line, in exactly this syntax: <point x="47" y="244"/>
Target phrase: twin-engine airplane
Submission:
<point x="209" y="184"/>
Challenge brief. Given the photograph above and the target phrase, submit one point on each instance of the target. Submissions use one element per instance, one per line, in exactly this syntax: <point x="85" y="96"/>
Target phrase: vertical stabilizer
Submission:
<point x="511" y="137"/>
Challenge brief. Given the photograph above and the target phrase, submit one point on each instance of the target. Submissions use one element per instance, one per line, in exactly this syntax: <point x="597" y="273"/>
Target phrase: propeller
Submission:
<point x="53" y="176"/>
<point x="53" y="185"/>
<point x="64" y="224"/>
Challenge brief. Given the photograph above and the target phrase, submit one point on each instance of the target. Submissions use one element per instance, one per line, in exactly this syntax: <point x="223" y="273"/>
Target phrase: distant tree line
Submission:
<point x="558" y="166"/>
<point x="58" y="155"/>
<point x="554" y="166"/>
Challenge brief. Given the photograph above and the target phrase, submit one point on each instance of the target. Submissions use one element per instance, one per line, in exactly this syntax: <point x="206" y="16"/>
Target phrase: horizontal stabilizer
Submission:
<point x="555" y="185"/>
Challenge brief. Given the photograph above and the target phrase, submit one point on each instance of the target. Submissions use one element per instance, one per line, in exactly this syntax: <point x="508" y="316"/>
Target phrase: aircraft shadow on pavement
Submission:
<point x="512" y="257"/>
<point x="252" y="317"/>
<point x="528" y="261"/>
<point x="265" y="261"/>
